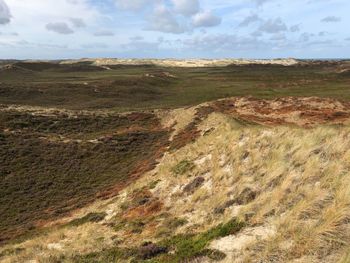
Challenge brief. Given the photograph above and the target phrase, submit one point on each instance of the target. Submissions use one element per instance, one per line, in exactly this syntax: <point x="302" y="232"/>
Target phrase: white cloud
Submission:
<point x="43" y="10"/>
<point x="60" y="28"/>
<point x="163" y="20"/>
<point x="5" y="14"/>
<point x="254" y="22"/>
<point x="29" y="20"/>
<point x="206" y="19"/>
<point x="186" y="7"/>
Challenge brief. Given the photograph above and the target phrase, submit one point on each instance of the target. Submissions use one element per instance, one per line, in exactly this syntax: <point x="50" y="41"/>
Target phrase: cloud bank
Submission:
<point x="174" y="28"/>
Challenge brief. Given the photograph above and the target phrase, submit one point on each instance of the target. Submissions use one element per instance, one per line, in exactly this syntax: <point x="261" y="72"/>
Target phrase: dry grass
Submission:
<point x="50" y="247"/>
<point x="289" y="179"/>
<point x="299" y="177"/>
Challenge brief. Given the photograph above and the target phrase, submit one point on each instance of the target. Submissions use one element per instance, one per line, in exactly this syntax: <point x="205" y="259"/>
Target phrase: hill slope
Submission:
<point x="242" y="180"/>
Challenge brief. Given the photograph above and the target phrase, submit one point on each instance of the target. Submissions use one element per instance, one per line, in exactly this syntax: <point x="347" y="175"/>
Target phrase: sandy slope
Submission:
<point x="280" y="166"/>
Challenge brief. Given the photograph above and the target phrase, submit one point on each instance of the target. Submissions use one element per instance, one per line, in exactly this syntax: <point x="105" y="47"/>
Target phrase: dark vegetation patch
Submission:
<point x="188" y="247"/>
<point x="169" y="226"/>
<point x="192" y="186"/>
<point x="150" y="250"/>
<point x="63" y="68"/>
<point x="42" y="180"/>
<point x="221" y="209"/>
<point x="79" y="126"/>
<point x="190" y="133"/>
<point x="174" y="223"/>
<point x="126" y="87"/>
<point x="183" y="167"/>
<point x="179" y="248"/>
<point x="106" y="255"/>
<point x="153" y="184"/>
<point x="89" y="218"/>
<point x="244" y="197"/>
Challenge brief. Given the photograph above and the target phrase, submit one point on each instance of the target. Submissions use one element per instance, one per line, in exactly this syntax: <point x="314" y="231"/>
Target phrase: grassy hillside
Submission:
<point x="123" y="163"/>
<point x="239" y="193"/>
<point x="81" y="86"/>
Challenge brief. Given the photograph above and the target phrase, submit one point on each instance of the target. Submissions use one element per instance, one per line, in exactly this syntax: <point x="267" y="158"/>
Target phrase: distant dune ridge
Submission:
<point x="169" y="62"/>
<point x="191" y="62"/>
<point x="105" y="62"/>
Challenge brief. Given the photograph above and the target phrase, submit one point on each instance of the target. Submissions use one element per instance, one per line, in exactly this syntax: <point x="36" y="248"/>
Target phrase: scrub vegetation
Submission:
<point x="142" y="163"/>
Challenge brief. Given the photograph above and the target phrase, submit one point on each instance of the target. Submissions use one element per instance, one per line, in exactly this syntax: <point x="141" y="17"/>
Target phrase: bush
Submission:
<point x="191" y="246"/>
<point x="183" y="167"/>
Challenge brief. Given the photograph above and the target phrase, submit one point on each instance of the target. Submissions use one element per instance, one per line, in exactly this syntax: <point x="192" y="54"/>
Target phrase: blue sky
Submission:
<point x="51" y="29"/>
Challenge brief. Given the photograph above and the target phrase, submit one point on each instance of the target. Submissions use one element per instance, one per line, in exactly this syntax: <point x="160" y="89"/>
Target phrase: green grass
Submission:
<point x="191" y="246"/>
<point x="182" y="167"/>
<point x="107" y="255"/>
<point x="127" y="87"/>
<point x="181" y="248"/>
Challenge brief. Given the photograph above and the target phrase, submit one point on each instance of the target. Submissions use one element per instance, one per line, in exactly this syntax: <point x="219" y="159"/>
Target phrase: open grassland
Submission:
<point x="122" y="88"/>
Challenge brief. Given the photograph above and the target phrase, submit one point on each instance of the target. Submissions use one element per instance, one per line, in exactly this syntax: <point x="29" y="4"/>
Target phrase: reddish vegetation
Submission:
<point x="142" y="205"/>
<point x="298" y="111"/>
<point x="191" y="133"/>
<point x="303" y="112"/>
<point x="143" y="211"/>
<point x="187" y="135"/>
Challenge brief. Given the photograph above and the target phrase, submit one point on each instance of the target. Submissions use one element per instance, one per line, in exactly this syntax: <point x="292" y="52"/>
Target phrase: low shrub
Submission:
<point x="189" y="246"/>
<point x="183" y="167"/>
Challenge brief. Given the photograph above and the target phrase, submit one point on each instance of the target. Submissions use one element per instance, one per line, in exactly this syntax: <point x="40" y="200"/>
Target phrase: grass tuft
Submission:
<point x="183" y="167"/>
<point x="89" y="218"/>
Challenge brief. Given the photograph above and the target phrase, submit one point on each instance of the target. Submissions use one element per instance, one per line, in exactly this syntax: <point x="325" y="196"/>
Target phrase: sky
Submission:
<point x="57" y="29"/>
